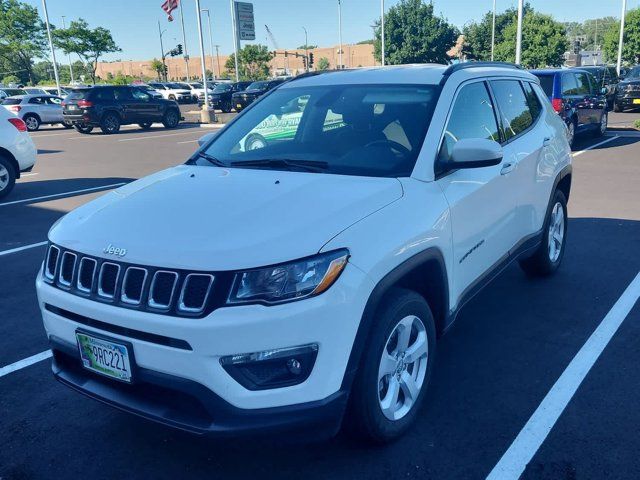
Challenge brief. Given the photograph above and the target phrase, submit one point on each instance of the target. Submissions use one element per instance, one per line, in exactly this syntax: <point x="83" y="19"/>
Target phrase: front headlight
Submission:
<point x="289" y="281"/>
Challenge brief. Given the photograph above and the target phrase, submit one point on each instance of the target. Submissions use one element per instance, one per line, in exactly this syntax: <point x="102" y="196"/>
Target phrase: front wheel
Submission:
<point x="602" y="127"/>
<point x="171" y="119"/>
<point x="548" y="257"/>
<point x="226" y="107"/>
<point x="32" y="122"/>
<point x="7" y="177"/>
<point x="82" y="128"/>
<point x="395" y="369"/>
<point x="571" y="133"/>
<point x="110" y="123"/>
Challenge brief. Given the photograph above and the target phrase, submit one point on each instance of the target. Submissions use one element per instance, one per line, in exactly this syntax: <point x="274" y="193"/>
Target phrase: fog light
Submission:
<point x="272" y="368"/>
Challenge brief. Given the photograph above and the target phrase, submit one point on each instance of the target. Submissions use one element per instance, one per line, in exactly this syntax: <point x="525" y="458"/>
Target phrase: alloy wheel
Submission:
<point x="556" y="232"/>
<point x="4" y="177"/>
<point x="402" y="368"/>
<point x="571" y="133"/>
<point x="603" y="123"/>
<point x="32" y="123"/>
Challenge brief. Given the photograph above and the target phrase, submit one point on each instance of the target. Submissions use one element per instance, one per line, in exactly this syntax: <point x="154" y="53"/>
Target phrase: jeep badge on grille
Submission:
<point x="117" y="251"/>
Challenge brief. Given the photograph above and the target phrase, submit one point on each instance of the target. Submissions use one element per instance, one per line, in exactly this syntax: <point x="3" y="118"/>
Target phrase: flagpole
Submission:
<point x="621" y="41"/>
<point x="519" y="34"/>
<point x="53" y="53"/>
<point x="493" y="30"/>
<point x="236" y="40"/>
<point x="382" y="29"/>
<point x="184" y="42"/>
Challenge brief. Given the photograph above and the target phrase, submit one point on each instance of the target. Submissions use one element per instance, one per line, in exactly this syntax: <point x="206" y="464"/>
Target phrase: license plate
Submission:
<point x="104" y="356"/>
<point x="239" y="105"/>
<point x="72" y="107"/>
<point x="636" y="101"/>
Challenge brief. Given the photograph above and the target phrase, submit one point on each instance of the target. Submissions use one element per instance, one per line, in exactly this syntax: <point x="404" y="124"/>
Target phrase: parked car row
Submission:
<point x="238" y="95"/>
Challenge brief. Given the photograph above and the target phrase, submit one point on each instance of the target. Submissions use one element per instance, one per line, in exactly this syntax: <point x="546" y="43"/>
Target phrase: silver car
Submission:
<point x="36" y="109"/>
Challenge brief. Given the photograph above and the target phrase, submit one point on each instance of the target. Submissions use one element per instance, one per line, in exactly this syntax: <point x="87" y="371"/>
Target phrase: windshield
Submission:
<point x="546" y="82"/>
<point x="222" y="87"/>
<point x="595" y="71"/>
<point x="368" y="130"/>
<point x="634" y="73"/>
<point x="198" y="85"/>
<point x="13" y="91"/>
<point x="257" y="86"/>
<point x="176" y="86"/>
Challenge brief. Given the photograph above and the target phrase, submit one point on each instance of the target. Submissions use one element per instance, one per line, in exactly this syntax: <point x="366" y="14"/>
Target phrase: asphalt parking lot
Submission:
<point x="496" y="366"/>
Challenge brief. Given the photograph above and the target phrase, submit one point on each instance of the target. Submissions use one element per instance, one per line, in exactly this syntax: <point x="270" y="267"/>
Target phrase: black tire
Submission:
<point x="365" y="417"/>
<point x="7" y="176"/>
<point x="32" y="121"/>
<point x="616" y="107"/>
<point x="542" y="263"/>
<point x="571" y="132"/>
<point x="602" y="126"/>
<point x="145" y="125"/>
<point x="81" y="128"/>
<point x="172" y="97"/>
<point x="110" y="123"/>
<point x="226" y="107"/>
<point x="171" y="118"/>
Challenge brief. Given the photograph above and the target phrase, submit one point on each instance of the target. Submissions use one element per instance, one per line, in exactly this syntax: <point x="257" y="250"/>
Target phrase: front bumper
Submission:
<point x="629" y="100"/>
<point x="329" y="320"/>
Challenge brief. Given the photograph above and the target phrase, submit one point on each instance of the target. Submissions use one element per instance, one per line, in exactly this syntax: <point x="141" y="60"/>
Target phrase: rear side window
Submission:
<point x="37" y="101"/>
<point x="78" y="94"/>
<point x="582" y="84"/>
<point x="532" y="100"/>
<point x="12" y="101"/>
<point x="103" y="94"/>
<point x="546" y="82"/>
<point x="122" y="94"/>
<point x="513" y="105"/>
<point x="569" y="84"/>
<point x="472" y="116"/>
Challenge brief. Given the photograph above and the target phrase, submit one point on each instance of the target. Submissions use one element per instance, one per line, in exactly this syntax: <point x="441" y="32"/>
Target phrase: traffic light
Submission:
<point x="179" y="48"/>
<point x="304" y="62"/>
<point x="286" y="53"/>
<point x="311" y="59"/>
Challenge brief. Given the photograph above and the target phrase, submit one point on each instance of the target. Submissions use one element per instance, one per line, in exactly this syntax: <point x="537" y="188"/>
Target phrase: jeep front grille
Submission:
<point x="146" y="288"/>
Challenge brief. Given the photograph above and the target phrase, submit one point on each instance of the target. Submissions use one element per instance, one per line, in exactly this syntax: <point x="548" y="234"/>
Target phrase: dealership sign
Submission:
<point x="245" y="21"/>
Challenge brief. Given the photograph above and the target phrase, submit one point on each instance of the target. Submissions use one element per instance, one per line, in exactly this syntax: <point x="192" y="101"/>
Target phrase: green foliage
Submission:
<point x="478" y="34"/>
<point x="158" y="67"/>
<point x="22" y="38"/>
<point x="323" y="64"/>
<point x="307" y="47"/>
<point x="366" y="42"/>
<point x="631" y="45"/>
<point x="593" y="30"/>
<point x="10" y="79"/>
<point x="89" y="44"/>
<point x="637" y="124"/>
<point x="253" y="62"/>
<point x="413" y="34"/>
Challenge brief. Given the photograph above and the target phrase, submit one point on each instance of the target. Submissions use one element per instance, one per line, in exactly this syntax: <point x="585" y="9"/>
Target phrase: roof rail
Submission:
<point x="463" y="66"/>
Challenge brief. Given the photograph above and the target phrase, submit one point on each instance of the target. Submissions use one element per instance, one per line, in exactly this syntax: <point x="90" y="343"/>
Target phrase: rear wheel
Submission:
<point x="7" y="176"/>
<point x="226" y="107"/>
<point x="395" y="369"/>
<point x="616" y="107"/>
<point x="145" y="125"/>
<point x="548" y="257"/>
<point x="82" y="128"/>
<point x="110" y="123"/>
<point x="571" y="132"/>
<point x="67" y="125"/>
<point x="171" y="119"/>
<point x="32" y="121"/>
<point x="602" y="128"/>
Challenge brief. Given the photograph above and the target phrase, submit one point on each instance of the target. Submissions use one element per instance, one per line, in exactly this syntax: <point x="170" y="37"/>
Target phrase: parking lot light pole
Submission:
<point x="382" y="29"/>
<point x="519" y="34"/>
<point x="68" y="54"/>
<point x="184" y="43"/>
<point x="493" y="30"/>
<point x="236" y="40"/>
<point x="306" y="49"/>
<point x="621" y="41"/>
<point x="340" y="32"/>
<point x="53" y="52"/>
<point x="204" y="114"/>
<point x="206" y="10"/>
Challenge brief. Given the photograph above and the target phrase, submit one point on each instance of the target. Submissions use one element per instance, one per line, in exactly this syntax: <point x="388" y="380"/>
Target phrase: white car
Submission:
<point x="17" y="151"/>
<point x="172" y="91"/>
<point x="36" y="109"/>
<point x="288" y="284"/>
<point x="197" y="89"/>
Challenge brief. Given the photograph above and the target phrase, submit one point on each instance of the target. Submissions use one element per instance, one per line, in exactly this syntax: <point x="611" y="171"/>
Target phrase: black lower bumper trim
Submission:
<point x="192" y="407"/>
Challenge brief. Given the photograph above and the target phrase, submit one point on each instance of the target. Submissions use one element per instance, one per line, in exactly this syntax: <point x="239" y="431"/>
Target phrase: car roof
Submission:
<point x="420" y="74"/>
<point x="33" y="95"/>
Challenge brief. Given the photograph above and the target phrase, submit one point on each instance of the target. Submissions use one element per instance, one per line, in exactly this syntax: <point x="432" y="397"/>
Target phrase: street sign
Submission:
<point x="245" y="21"/>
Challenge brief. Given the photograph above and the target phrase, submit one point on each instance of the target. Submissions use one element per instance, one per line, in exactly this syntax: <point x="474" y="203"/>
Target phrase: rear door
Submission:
<point x="148" y="109"/>
<point x="54" y="107"/>
<point x="573" y="93"/>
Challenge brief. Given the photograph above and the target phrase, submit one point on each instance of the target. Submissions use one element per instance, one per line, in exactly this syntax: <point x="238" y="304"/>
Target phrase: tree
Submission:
<point x="631" y="39"/>
<point x="158" y="67"/>
<point x="307" y="47"/>
<point x="413" y="34"/>
<point x="88" y="44"/>
<point x="366" y="42"/>
<point x="323" y="64"/>
<point x="253" y="62"/>
<point x="22" y="38"/>
<point x="478" y="34"/>
<point x="9" y="79"/>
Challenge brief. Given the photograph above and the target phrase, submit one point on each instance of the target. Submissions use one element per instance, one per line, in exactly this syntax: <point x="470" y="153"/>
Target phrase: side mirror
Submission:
<point x="205" y="138"/>
<point x="475" y="153"/>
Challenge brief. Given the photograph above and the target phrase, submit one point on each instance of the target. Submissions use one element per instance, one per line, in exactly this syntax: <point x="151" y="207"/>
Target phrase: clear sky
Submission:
<point x="134" y="23"/>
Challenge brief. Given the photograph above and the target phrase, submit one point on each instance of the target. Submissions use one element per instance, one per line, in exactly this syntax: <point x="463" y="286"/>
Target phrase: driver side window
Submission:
<point x="472" y="116"/>
<point x="140" y="95"/>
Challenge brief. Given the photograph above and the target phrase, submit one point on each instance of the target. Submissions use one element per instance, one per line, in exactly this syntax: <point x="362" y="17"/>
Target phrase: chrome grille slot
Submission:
<point x="86" y="274"/>
<point x="195" y="292"/>
<point x="67" y="267"/>
<point x="108" y="279"/>
<point x="133" y="285"/>
<point x="162" y="289"/>
<point x="52" y="262"/>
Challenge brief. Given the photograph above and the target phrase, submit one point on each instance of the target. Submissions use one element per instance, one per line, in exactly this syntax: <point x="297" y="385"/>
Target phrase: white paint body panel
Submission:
<point x="19" y="144"/>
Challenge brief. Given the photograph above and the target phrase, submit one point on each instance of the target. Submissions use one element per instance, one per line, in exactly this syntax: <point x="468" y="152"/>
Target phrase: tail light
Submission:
<point x="85" y="103"/>
<point x="19" y="124"/>
<point x="63" y="104"/>
<point x="557" y="104"/>
<point x="15" y="108"/>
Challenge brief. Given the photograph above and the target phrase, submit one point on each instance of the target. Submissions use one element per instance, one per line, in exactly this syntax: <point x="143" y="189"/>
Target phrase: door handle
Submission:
<point x="546" y="142"/>
<point x="507" y="168"/>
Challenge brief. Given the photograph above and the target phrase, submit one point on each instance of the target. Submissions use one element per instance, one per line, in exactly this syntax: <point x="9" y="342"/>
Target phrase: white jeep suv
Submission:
<point x="303" y="279"/>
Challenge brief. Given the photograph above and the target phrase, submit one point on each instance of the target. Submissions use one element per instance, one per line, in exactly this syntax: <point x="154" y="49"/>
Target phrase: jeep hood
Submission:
<point x="210" y="218"/>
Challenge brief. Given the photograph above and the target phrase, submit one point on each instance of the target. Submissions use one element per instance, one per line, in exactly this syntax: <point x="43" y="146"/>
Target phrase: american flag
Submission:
<point x="169" y="6"/>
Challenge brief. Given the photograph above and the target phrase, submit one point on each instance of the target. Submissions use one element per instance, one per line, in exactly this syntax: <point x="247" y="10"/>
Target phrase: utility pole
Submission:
<point x="493" y="30"/>
<point x="306" y="49"/>
<point x="53" y="53"/>
<point x="68" y="54"/>
<point x="206" y="10"/>
<point x="624" y="12"/>
<point x="218" y="59"/>
<point x="519" y="34"/>
<point x="204" y="114"/>
<point x="382" y="28"/>
<point x="164" y="72"/>
<point x="236" y="40"/>
<point x="340" y="32"/>
<point x="184" y="43"/>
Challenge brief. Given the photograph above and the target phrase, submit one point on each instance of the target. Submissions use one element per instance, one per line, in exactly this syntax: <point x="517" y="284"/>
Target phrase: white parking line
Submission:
<point x="188" y="141"/>
<point x="84" y="190"/>
<point x="19" y="249"/>
<point x="580" y="152"/>
<point x="533" y="434"/>
<point x="157" y="136"/>
<point x="27" y="174"/>
<point x="14" y="367"/>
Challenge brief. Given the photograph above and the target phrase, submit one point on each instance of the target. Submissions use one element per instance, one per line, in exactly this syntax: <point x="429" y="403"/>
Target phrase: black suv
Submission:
<point x="254" y="91"/>
<point x="108" y="107"/>
<point x="221" y="96"/>
<point x="607" y="78"/>
<point x="628" y="92"/>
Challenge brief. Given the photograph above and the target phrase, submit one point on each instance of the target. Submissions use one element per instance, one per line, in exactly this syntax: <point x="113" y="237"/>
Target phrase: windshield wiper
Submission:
<point x="210" y="159"/>
<point x="308" y="165"/>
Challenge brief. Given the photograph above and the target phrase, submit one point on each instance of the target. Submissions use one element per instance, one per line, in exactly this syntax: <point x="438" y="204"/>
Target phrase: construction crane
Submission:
<point x="272" y="38"/>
